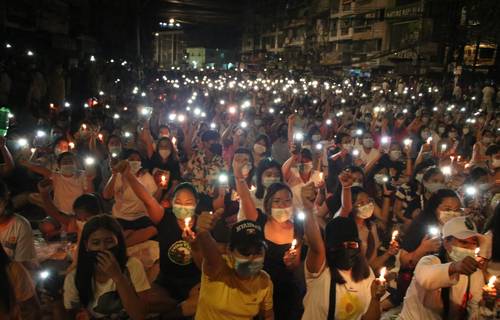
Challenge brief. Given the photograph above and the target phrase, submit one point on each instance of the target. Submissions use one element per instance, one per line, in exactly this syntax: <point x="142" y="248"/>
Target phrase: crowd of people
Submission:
<point x="211" y="194"/>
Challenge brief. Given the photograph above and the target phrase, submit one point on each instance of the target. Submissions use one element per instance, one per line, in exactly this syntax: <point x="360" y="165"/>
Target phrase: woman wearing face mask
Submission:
<point x="367" y="153"/>
<point x="233" y="286"/>
<point x="18" y="300"/>
<point x="420" y="239"/>
<point x="298" y="171"/>
<point x="105" y="283"/>
<point x="280" y="229"/>
<point x="362" y="210"/>
<point x="448" y="286"/>
<point x="49" y="161"/>
<point x="261" y="149"/>
<point x="340" y="284"/>
<point x="128" y="209"/>
<point x="179" y="267"/>
<point x="268" y="172"/>
<point x="479" y="150"/>
<point x="165" y="159"/>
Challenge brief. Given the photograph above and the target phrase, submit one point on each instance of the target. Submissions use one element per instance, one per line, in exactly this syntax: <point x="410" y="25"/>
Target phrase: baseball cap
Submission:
<point x="460" y="228"/>
<point x="340" y="230"/>
<point x="245" y="235"/>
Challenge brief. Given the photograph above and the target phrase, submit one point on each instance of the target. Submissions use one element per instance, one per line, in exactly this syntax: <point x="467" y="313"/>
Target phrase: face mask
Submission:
<point x="433" y="186"/>
<point x="343" y="259"/>
<point x="486" y="140"/>
<point x="452" y="135"/>
<point x="379" y="178"/>
<point x="366" y="211"/>
<point x="257" y="122"/>
<point x="459" y="253"/>
<point x="445" y="216"/>
<point x="267" y="181"/>
<point x="248" y="268"/>
<point x="115" y="150"/>
<point x="259" y="149"/>
<point x="395" y="155"/>
<point x="68" y="169"/>
<point x="357" y="184"/>
<point x="317" y="123"/>
<point x="465" y="130"/>
<point x="353" y="133"/>
<point x="245" y="170"/>
<point x="216" y="149"/>
<point x="347" y="146"/>
<point x="183" y="212"/>
<point x="316" y="137"/>
<point x="495" y="163"/>
<point x="425" y="135"/>
<point x="306" y="167"/>
<point x="441" y="130"/>
<point x="135" y="166"/>
<point x="282" y="214"/>
<point x="164" y="153"/>
<point x="368" y="143"/>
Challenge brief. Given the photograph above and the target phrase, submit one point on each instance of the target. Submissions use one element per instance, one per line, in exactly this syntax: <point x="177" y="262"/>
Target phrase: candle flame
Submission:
<point x="395" y="234"/>
<point x="186" y="222"/>
<point x="476" y="251"/>
<point x="294" y="244"/>
<point x="382" y="274"/>
<point x="491" y="282"/>
<point x="71" y="145"/>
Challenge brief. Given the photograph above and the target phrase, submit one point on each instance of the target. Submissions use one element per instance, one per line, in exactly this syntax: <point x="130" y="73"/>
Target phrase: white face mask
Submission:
<point x="259" y="149"/>
<point x="68" y="169"/>
<point x="357" y="184"/>
<point x="282" y="214"/>
<point x="495" y="163"/>
<point x="395" y="155"/>
<point x="459" y="253"/>
<point x="267" y="181"/>
<point x="164" y="153"/>
<point x="366" y="211"/>
<point x="445" y="216"/>
<point x="368" y="143"/>
<point x="433" y="186"/>
<point x="135" y="166"/>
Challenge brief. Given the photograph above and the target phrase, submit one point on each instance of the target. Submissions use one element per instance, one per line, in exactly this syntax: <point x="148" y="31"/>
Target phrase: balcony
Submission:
<point x="370" y="5"/>
<point x="366" y="32"/>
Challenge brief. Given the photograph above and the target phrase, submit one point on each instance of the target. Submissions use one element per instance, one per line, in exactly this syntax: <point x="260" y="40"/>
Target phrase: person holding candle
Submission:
<point x="447" y="286"/>
<point x="280" y="228"/>
<point x="340" y="284"/>
<point x="179" y="272"/>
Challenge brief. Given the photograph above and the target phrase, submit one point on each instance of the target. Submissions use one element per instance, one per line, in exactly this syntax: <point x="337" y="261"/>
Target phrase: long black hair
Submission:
<point x="7" y="298"/>
<point x="85" y="267"/>
<point x="271" y="191"/>
<point x="429" y="213"/>
<point x="370" y="245"/>
<point x="265" y="164"/>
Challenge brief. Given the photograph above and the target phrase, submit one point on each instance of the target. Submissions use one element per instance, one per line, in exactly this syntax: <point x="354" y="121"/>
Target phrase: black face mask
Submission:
<point x="92" y="255"/>
<point x="216" y="148"/>
<point x="342" y="259"/>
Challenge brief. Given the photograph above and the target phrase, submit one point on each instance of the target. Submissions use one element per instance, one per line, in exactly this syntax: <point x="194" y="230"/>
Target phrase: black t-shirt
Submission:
<point x="178" y="272"/>
<point x="170" y="165"/>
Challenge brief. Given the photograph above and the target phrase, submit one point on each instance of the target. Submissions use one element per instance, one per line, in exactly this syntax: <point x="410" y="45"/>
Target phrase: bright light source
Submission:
<point x="319" y="146"/>
<point x="407" y="142"/>
<point x="44" y="274"/>
<point x="328" y="122"/>
<point x="101" y="93"/>
<point x="244" y="124"/>
<point x="301" y="216"/>
<point x="433" y="231"/>
<point x="384" y="140"/>
<point x="67" y="104"/>
<point x="470" y="190"/>
<point x="41" y="133"/>
<point x="299" y="136"/>
<point x="8" y="45"/>
<point x="223" y="178"/>
<point x="359" y="132"/>
<point x="127" y="134"/>
<point x="30" y="53"/>
<point x="355" y="152"/>
<point x="213" y="126"/>
<point x="22" y="142"/>
<point x="446" y="170"/>
<point x="92" y="58"/>
<point x="89" y="161"/>
<point x="181" y="118"/>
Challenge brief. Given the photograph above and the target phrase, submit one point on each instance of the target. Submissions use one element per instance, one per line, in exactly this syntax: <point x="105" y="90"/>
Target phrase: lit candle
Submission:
<point x="100" y="137"/>
<point x="174" y="141"/>
<point x="84" y="126"/>
<point x="321" y="175"/>
<point x="294" y="244"/>
<point x="163" y="180"/>
<point x="187" y="221"/>
<point x="491" y="284"/>
<point x="253" y="188"/>
<point x="476" y="252"/>
<point x="429" y="140"/>
<point x="452" y="158"/>
<point x="443" y="147"/>
<point x="395" y="235"/>
<point x="381" y="278"/>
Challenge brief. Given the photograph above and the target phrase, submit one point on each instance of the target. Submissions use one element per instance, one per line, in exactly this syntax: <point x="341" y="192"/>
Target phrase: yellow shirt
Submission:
<point x="226" y="296"/>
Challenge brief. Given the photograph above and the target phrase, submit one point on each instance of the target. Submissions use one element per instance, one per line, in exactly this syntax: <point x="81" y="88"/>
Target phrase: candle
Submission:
<point x="187" y="221"/>
<point x="491" y="282"/>
<point x="294" y="244"/>
<point x="174" y="140"/>
<point x="381" y="278"/>
<point x="321" y="174"/>
<point x="84" y="126"/>
<point x="100" y="137"/>
<point x="395" y="235"/>
<point x="253" y="188"/>
<point x="476" y="252"/>
<point x="429" y="140"/>
<point x="163" y="179"/>
<point x="443" y="147"/>
<point x="33" y="150"/>
<point x="452" y="158"/>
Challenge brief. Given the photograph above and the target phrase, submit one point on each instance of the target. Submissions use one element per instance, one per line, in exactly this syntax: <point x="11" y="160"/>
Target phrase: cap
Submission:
<point x="246" y="234"/>
<point x="460" y="228"/>
<point x="340" y="230"/>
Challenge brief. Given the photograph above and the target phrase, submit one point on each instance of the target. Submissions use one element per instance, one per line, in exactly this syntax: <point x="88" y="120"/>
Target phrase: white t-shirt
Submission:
<point x="423" y="298"/>
<point x="127" y="205"/>
<point x="106" y="300"/>
<point x="17" y="239"/>
<point x="352" y="298"/>
<point x="67" y="189"/>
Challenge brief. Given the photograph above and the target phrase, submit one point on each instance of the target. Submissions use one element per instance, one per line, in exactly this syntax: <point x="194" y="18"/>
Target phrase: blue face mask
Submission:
<point x="248" y="268"/>
<point x="183" y="212"/>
